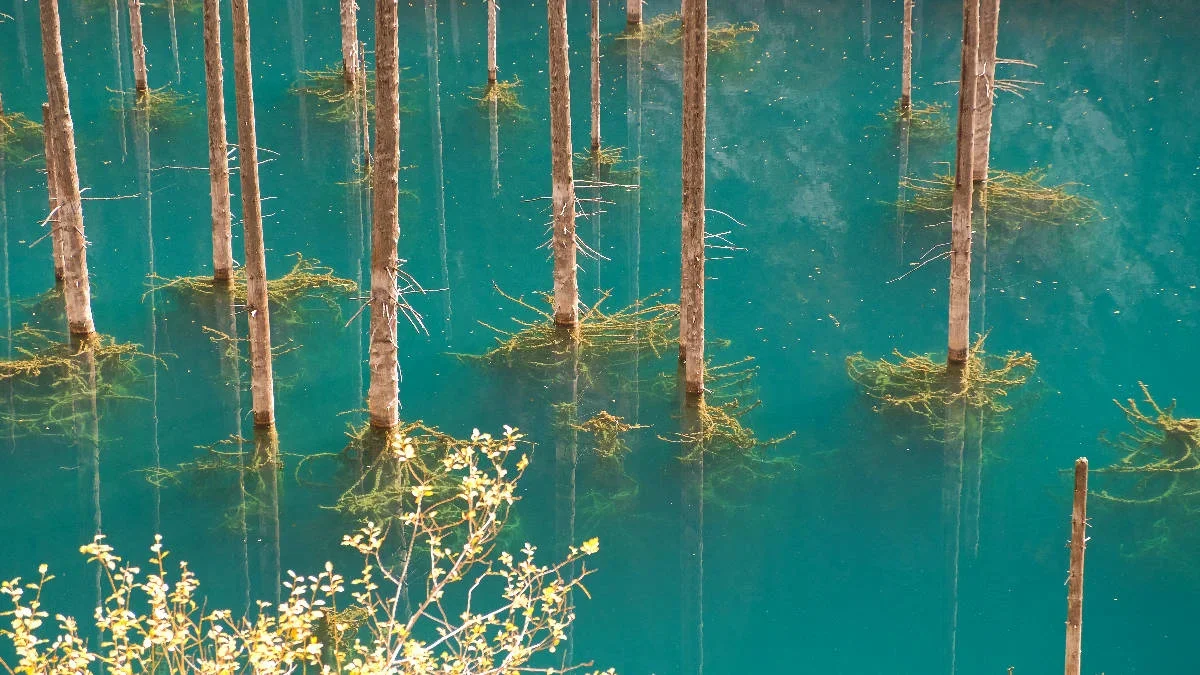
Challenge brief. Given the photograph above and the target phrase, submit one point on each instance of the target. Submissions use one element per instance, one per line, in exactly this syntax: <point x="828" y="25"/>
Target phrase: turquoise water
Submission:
<point x="875" y="550"/>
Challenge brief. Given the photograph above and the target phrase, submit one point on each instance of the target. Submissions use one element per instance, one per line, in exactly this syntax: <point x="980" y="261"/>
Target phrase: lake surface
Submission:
<point x="871" y="549"/>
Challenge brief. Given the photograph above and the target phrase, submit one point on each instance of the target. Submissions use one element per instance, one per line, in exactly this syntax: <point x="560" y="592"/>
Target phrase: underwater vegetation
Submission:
<point x="1014" y="198"/>
<point x="20" y="136"/>
<point x="667" y="29"/>
<point x="161" y="105"/>
<point x="1160" y="459"/>
<point x="337" y="102"/>
<point x="503" y="93"/>
<point x="925" y="121"/>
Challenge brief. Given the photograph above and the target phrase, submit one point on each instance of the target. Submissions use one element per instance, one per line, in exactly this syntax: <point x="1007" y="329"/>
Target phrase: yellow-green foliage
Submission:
<point x="503" y="93"/>
<point x="1160" y="457"/>
<point x="20" y="136"/>
<point x="607" y="432"/>
<point x="926" y="386"/>
<point x="1015" y="198"/>
<point x="465" y="608"/>
<point x="308" y="279"/>
<point x="160" y="105"/>
<point x="338" y="102"/>
<point x="667" y="29"/>
<point x="647" y="325"/>
<point x="926" y="121"/>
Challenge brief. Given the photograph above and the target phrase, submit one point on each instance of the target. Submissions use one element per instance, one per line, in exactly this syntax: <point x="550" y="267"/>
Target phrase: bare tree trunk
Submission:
<point x="985" y="92"/>
<point x="960" y="235"/>
<point x="262" y="381"/>
<point x="174" y="40"/>
<point x="494" y="137"/>
<point x="906" y="62"/>
<point x="691" y="287"/>
<point x="633" y="14"/>
<point x="218" y="158"/>
<point x="566" y="285"/>
<point x="595" y="35"/>
<point x="1075" y="577"/>
<point x="76" y="287"/>
<point x="51" y="183"/>
<point x="139" y="46"/>
<point x="383" y="396"/>
<point x="493" y="69"/>
<point x="349" y="41"/>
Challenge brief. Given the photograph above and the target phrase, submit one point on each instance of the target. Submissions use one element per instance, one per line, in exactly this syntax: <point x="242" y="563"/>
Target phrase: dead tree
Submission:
<point x="633" y="14"/>
<point x="383" y="395"/>
<point x="691" y="287"/>
<point x="52" y="195"/>
<point x="960" y="234"/>
<point x="349" y="12"/>
<point x="493" y="69"/>
<point x="566" y="284"/>
<point x="1075" y="576"/>
<point x="985" y="90"/>
<point x="218" y="158"/>
<point x="76" y="287"/>
<point x="262" y="380"/>
<point x="595" y="35"/>
<point x="139" y="47"/>
<point x="906" y="62"/>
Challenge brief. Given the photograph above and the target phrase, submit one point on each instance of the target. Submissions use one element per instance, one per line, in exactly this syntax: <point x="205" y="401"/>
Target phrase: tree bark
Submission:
<point x="383" y="396"/>
<point x="691" y="288"/>
<point x="960" y="235"/>
<point x="218" y="159"/>
<point x="633" y="14"/>
<point x="52" y="194"/>
<point x="262" y="381"/>
<point x="349" y="41"/>
<point x="139" y="46"/>
<point x="566" y="286"/>
<point x="985" y="92"/>
<point x="906" y="61"/>
<point x="595" y="35"/>
<point x="493" y="69"/>
<point x="1075" y="577"/>
<point x="76" y="287"/>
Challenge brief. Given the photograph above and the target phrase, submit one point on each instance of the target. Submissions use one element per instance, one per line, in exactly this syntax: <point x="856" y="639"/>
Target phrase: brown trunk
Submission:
<point x="566" y="285"/>
<point x="218" y="160"/>
<point x="691" y="287"/>
<point x="1075" y="577"/>
<point x="76" y="287"/>
<point x="595" y="75"/>
<point x="985" y="92"/>
<point x="139" y="46"/>
<point x="51" y="183"/>
<point x="262" y="381"/>
<point x="906" y="61"/>
<point x="493" y="69"/>
<point x="633" y="14"/>
<point x="383" y="396"/>
<point x="349" y="41"/>
<point x="960" y="216"/>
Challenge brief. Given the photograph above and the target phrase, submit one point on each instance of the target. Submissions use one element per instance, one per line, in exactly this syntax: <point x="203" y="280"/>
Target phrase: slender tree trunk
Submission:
<point x="1075" y="577"/>
<point x="174" y="40"/>
<point x="633" y="14"/>
<point x="633" y="121"/>
<point x="985" y="92"/>
<point x="953" y="448"/>
<point x="139" y="46"/>
<point x="433" y="58"/>
<point x="51" y="183"/>
<point x="266" y="460"/>
<point x="960" y="236"/>
<point x="383" y="397"/>
<point x="349" y="41"/>
<point x="76" y="287"/>
<point x="262" y="381"/>
<point x="218" y="158"/>
<point x="691" y="550"/>
<point x="494" y="137"/>
<point x="906" y="62"/>
<point x="691" y="288"/>
<point x="114" y="28"/>
<point x="566" y="285"/>
<point x="595" y="35"/>
<point x="493" y="69"/>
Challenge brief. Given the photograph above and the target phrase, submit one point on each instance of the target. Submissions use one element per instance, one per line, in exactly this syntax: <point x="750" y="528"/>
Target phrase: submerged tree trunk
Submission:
<point x="139" y="46"/>
<point x="218" y="158"/>
<point x="633" y="14"/>
<point x="960" y="235"/>
<point x="114" y="28"/>
<point x="1075" y="577"/>
<point x="691" y="287"/>
<point x="633" y="121"/>
<point x="691" y="550"/>
<point x="52" y="194"/>
<point x="595" y="35"/>
<point x="493" y="69"/>
<point x="76" y="287"/>
<point x="383" y="397"/>
<point x="349" y="41"/>
<point x="566" y="285"/>
<point x="433" y="58"/>
<point x="262" y="381"/>
<point x="985" y="91"/>
<point x="906" y="62"/>
<point x="174" y="40"/>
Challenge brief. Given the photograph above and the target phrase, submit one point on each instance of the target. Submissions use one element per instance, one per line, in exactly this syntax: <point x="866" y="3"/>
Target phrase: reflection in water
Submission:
<point x="8" y="386"/>
<point x="952" y="489"/>
<point x="264" y="497"/>
<point x="19" y="20"/>
<point x="296" y="27"/>
<point x="691" y="550"/>
<point x="114" y="26"/>
<point x="174" y="40"/>
<point x="435" y="106"/>
<point x="866" y="26"/>
<point x="633" y="200"/>
<point x="87" y="440"/>
<point x="566" y="463"/>
<point x="141" y="140"/>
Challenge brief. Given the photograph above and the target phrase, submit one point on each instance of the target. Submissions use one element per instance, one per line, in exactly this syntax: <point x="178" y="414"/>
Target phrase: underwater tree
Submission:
<point x="906" y="62"/>
<point x="218" y="149"/>
<point x="595" y="37"/>
<point x="349" y="20"/>
<point x="138" y="45"/>
<point x="566" y="282"/>
<point x="691" y="285"/>
<point x="76" y="287"/>
<point x="383" y="397"/>
<point x="262" y="380"/>
<point x="493" y="69"/>
<point x="960" y="218"/>
<point x="633" y="14"/>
